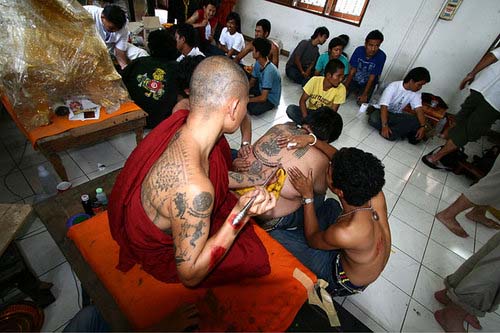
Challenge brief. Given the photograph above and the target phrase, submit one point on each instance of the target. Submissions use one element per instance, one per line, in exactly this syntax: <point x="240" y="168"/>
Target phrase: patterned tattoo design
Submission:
<point x="201" y="205"/>
<point x="237" y="177"/>
<point x="198" y="232"/>
<point x="180" y="204"/>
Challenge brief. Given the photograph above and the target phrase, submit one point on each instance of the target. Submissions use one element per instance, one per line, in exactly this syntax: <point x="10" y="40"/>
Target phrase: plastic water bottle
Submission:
<point x="47" y="180"/>
<point x="101" y="196"/>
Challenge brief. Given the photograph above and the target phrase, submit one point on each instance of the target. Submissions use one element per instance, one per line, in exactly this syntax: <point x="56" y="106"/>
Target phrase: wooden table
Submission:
<point x="51" y="146"/>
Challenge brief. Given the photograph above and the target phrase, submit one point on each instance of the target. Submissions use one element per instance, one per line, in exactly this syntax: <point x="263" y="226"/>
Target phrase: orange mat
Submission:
<point x="269" y="303"/>
<point x="63" y="124"/>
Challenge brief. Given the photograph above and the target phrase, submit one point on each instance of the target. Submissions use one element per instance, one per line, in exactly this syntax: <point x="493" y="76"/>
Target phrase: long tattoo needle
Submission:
<point x="245" y="209"/>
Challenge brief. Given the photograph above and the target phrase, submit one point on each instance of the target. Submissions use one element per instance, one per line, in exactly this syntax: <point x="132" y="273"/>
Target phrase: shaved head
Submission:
<point x="215" y="80"/>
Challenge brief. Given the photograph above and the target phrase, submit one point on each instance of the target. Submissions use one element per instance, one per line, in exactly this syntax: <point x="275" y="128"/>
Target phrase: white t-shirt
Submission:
<point x="487" y="82"/>
<point x="396" y="97"/>
<point x="208" y="31"/>
<point x="235" y="41"/>
<point x="193" y="53"/>
<point x="111" y="39"/>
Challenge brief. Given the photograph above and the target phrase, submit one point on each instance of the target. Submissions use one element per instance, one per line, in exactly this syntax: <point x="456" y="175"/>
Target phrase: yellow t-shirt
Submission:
<point x="318" y="97"/>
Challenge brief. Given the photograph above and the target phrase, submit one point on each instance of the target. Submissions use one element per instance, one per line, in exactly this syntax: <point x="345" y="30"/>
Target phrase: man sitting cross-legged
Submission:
<point x="392" y="122"/>
<point x="265" y="83"/>
<point x="266" y="154"/>
<point x="170" y="209"/>
<point x="320" y="91"/>
<point x="348" y="246"/>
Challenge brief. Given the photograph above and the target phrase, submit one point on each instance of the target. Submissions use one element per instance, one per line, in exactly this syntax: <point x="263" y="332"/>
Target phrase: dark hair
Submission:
<point x="344" y="38"/>
<point x="333" y="65"/>
<point x="209" y="2"/>
<point x="187" y="31"/>
<point x="375" y="34"/>
<point x="325" y="123"/>
<point x="358" y="174"/>
<point x="263" y="46"/>
<point x="115" y="15"/>
<point x="336" y="42"/>
<point x="236" y="17"/>
<point x="265" y="24"/>
<point x="162" y="44"/>
<point x="185" y="70"/>
<point x="320" y="32"/>
<point x="418" y="74"/>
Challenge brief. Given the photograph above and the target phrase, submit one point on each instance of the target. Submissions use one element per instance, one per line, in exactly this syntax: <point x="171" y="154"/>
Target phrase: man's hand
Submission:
<point x="245" y="150"/>
<point x="264" y="201"/>
<point x="240" y="164"/>
<point x="420" y="133"/>
<point x="385" y="132"/>
<point x="303" y="184"/>
<point x="467" y="80"/>
<point x="363" y="98"/>
<point x="307" y="73"/>
<point x="294" y="141"/>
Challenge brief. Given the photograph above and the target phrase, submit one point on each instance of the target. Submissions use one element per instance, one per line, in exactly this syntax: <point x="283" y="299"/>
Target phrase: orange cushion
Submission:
<point x="268" y="303"/>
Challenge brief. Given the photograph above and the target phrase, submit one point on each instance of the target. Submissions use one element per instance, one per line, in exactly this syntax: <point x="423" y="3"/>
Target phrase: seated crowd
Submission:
<point x="176" y="189"/>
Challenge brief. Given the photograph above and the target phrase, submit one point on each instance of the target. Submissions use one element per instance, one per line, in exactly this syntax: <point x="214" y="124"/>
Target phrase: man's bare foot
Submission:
<point x="448" y="322"/>
<point x="452" y="224"/>
<point x="441" y="297"/>
<point x="479" y="216"/>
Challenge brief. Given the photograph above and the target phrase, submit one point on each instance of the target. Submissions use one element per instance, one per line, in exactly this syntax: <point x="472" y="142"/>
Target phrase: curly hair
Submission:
<point x="358" y="174"/>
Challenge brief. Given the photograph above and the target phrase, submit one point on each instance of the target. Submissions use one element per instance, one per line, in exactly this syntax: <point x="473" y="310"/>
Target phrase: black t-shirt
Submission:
<point x="151" y="85"/>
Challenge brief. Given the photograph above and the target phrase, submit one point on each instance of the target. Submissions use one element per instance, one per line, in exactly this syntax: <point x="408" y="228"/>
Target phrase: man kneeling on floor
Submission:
<point x="346" y="246"/>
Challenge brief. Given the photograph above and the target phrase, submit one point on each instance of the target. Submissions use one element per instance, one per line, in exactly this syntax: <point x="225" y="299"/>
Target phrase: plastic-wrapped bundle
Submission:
<point x="50" y="52"/>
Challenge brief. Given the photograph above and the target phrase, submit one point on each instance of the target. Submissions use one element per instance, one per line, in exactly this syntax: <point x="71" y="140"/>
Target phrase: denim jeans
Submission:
<point x="293" y="112"/>
<point x="88" y="319"/>
<point x="403" y="125"/>
<point x="293" y="74"/>
<point x="320" y="262"/>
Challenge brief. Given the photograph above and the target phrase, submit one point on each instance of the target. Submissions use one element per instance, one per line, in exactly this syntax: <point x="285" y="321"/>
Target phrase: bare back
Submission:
<point x="366" y="259"/>
<point x="267" y="154"/>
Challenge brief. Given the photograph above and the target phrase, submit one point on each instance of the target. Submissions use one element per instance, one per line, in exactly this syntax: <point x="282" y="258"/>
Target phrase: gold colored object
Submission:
<point x="274" y="188"/>
<point x="51" y="52"/>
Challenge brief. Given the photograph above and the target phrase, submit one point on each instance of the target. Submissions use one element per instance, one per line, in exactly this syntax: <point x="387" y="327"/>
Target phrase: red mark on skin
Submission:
<point x="216" y="254"/>
<point x="230" y="221"/>
<point x="378" y="249"/>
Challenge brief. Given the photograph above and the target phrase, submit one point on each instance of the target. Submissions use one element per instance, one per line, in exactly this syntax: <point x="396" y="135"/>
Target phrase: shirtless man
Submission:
<point x="180" y="195"/>
<point x="348" y="247"/>
<point x="262" y="30"/>
<point x="266" y="154"/>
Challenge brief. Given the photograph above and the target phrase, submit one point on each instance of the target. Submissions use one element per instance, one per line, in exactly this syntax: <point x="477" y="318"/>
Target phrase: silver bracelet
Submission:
<point x="315" y="139"/>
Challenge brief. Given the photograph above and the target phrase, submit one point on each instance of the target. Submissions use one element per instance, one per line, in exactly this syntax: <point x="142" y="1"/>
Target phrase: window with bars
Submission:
<point x="349" y="11"/>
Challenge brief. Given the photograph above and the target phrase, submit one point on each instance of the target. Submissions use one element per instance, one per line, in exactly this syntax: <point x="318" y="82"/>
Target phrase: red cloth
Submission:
<point x="201" y="30"/>
<point x="143" y="243"/>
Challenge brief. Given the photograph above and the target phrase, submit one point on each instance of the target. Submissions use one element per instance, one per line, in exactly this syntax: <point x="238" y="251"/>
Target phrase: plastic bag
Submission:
<point x="50" y="52"/>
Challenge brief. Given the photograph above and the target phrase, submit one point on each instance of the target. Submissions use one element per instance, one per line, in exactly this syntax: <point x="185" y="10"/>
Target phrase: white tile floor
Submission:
<point x="424" y="251"/>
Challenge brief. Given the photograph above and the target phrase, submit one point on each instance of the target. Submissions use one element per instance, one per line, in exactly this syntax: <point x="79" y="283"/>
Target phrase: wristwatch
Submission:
<point x="385" y="125"/>
<point x="245" y="143"/>
<point x="306" y="201"/>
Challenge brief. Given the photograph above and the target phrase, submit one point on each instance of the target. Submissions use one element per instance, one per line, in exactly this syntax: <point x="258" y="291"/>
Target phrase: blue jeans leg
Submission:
<point x="320" y="262"/>
<point x="88" y="319"/>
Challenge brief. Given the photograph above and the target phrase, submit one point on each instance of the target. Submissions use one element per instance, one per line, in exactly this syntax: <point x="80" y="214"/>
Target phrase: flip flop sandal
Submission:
<point x="435" y="166"/>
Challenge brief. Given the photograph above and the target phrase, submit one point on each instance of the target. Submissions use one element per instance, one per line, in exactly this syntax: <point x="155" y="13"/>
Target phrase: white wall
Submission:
<point x="414" y="36"/>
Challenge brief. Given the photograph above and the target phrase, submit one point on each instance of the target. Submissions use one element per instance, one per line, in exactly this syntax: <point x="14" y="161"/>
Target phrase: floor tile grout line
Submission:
<point x="366" y="314"/>
<point x="54" y="267"/>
